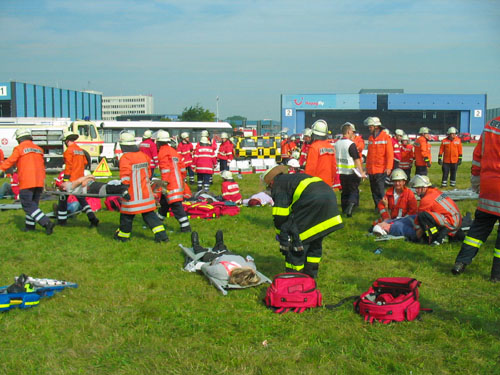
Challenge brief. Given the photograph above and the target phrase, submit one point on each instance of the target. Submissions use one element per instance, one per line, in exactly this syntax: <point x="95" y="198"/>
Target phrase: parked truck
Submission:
<point x="47" y="133"/>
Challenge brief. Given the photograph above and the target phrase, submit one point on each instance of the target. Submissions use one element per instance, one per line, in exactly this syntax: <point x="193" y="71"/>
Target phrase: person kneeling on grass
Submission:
<point x="222" y="264"/>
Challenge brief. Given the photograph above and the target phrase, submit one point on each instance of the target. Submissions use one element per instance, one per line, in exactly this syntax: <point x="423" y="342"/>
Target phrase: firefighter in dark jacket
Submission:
<point x="305" y="211"/>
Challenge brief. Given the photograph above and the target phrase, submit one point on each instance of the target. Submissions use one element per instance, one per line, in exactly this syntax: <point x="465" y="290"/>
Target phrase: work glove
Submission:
<point x="474" y="184"/>
<point x="428" y="164"/>
<point x="126" y="195"/>
<point x="440" y="161"/>
<point x="459" y="159"/>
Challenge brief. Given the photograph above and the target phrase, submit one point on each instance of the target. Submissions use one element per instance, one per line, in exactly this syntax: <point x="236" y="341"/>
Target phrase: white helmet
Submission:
<point x="162" y="136"/>
<point x="452" y="130"/>
<point x="387" y="131"/>
<point x="204" y="140"/>
<point x="350" y="124"/>
<point x="22" y="133"/>
<point x="224" y="135"/>
<point x="226" y="175"/>
<point x="147" y="134"/>
<point x="398" y="174"/>
<point x="405" y="137"/>
<point x="320" y="128"/>
<point x="285" y="136"/>
<point x="69" y="135"/>
<point x="307" y="132"/>
<point x="184" y="135"/>
<point x="420" y="181"/>
<point x="372" y="121"/>
<point x="204" y="133"/>
<point x="293" y="163"/>
<point x="292" y="138"/>
<point x="423" y="130"/>
<point x="399" y="132"/>
<point x="127" y="139"/>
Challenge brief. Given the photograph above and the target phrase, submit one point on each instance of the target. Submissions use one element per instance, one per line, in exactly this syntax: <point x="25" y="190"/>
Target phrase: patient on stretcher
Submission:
<point x="87" y="185"/>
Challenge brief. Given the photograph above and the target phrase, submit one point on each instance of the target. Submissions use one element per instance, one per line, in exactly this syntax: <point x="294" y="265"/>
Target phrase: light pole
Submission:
<point x="217" y="109"/>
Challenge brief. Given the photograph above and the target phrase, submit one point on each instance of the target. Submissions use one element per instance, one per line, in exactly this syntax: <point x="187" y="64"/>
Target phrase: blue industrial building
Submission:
<point x="395" y="109"/>
<point x="18" y="99"/>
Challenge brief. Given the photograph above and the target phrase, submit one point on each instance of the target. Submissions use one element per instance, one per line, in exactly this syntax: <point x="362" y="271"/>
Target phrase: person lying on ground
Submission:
<point x="222" y="264"/>
<point x="88" y="185"/>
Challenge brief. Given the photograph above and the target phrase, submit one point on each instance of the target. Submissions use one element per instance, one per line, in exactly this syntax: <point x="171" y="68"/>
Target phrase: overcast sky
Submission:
<point x="248" y="53"/>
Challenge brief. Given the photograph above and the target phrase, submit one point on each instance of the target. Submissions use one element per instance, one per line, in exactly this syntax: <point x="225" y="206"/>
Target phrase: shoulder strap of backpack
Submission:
<point x="341" y="302"/>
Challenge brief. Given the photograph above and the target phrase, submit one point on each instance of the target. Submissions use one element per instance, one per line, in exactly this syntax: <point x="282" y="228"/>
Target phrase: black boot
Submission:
<point x="219" y="242"/>
<point x="94" y="222"/>
<point x="458" y="268"/>
<point x="349" y="209"/>
<point x="195" y="243"/>
<point x="49" y="228"/>
<point x="495" y="270"/>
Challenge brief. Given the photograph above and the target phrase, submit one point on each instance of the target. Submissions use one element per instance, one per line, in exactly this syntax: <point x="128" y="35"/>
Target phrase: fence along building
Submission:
<point x="19" y="99"/>
<point x="114" y="106"/>
<point x="395" y="109"/>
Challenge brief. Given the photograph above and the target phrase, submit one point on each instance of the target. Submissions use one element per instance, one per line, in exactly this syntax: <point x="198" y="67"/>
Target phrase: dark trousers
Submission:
<point x="449" y="168"/>
<point x="190" y="174"/>
<point x="421" y="170"/>
<point x="432" y="230"/>
<point x="306" y="261"/>
<point x="350" y="190"/>
<point x="223" y="165"/>
<point x="29" y="201"/>
<point x="150" y="218"/>
<point x="62" y="209"/>
<point x="479" y="231"/>
<point x="178" y="211"/>
<point x="204" y="181"/>
<point x="377" y="186"/>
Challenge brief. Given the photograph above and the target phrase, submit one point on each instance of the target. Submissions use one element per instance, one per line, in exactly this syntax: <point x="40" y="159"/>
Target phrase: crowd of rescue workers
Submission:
<point x="301" y="189"/>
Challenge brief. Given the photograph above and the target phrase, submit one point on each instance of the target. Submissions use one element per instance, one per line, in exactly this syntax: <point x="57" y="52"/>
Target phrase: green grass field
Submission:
<point x="137" y="312"/>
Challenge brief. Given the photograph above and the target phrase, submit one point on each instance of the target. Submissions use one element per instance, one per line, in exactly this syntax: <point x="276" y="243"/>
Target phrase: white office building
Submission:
<point x="113" y="106"/>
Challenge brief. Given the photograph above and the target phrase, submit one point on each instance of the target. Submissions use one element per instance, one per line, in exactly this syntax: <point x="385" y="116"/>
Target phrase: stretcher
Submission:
<point x="30" y="291"/>
<point x="220" y="285"/>
<point x="10" y="206"/>
<point x="53" y="215"/>
<point x="77" y="194"/>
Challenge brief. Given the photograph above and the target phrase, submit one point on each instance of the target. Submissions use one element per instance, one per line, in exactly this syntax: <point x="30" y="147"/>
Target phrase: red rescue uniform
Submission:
<point x="450" y="150"/>
<point x="407" y="157"/>
<point x="442" y="208"/>
<point x="321" y="161"/>
<point x="30" y="165"/>
<point x="231" y="191"/>
<point x="380" y="153"/>
<point x="75" y="161"/>
<point x="406" y="204"/>
<point x="148" y="146"/>
<point x="422" y="150"/>
<point x="172" y="171"/>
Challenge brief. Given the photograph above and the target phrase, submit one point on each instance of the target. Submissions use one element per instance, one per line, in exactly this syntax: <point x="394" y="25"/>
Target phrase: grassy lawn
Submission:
<point x="137" y="312"/>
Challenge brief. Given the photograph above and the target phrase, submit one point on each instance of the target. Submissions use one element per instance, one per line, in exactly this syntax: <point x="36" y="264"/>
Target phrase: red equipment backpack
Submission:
<point x="390" y="299"/>
<point x="292" y="291"/>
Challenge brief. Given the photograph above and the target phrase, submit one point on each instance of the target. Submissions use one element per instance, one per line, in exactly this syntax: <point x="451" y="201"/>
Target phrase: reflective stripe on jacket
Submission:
<point x="185" y="150"/>
<point x="486" y="164"/>
<point x="406" y="157"/>
<point x="135" y="172"/>
<point x="422" y="151"/>
<point x="75" y="161"/>
<point x="305" y="204"/>
<point x="450" y="150"/>
<point x="380" y="153"/>
<point x="204" y="159"/>
<point x="28" y="157"/>
<point x="231" y="191"/>
<point x="442" y="208"/>
<point x="345" y="163"/>
<point x="406" y="204"/>
<point x="225" y="151"/>
<point x="171" y="169"/>
<point x="148" y="146"/>
<point x="321" y="161"/>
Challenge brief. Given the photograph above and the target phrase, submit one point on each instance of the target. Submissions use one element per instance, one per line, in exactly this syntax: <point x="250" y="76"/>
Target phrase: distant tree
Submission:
<point x="236" y="120"/>
<point x="197" y="113"/>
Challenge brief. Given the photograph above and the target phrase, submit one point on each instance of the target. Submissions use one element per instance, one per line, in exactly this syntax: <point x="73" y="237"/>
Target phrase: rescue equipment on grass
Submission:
<point x="27" y="291"/>
<point x="292" y="291"/>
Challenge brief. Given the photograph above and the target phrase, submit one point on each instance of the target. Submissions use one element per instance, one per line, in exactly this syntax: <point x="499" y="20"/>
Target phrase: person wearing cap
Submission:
<point x="407" y="155"/>
<point x="75" y="161"/>
<point x="380" y="158"/>
<point x="398" y="201"/>
<point x="350" y="169"/>
<point x="225" y="153"/>
<point x="204" y="160"/>
<point x="230" y="188"/>
<point x="148" y="146"/>
<point x="135" y="174"/>
<point x="450" y="157"/>
<point x="28" y="158"/>
<point x="304" y="212"/>
<point x="172" y="171"/>
<point x="321" y="160"/>
<point x="422" y="150"/>
<point x="485" y="179"/>
<point x="305" y="146"/>
<point x="437" y="214"/>
<point x="185" y="149"/>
